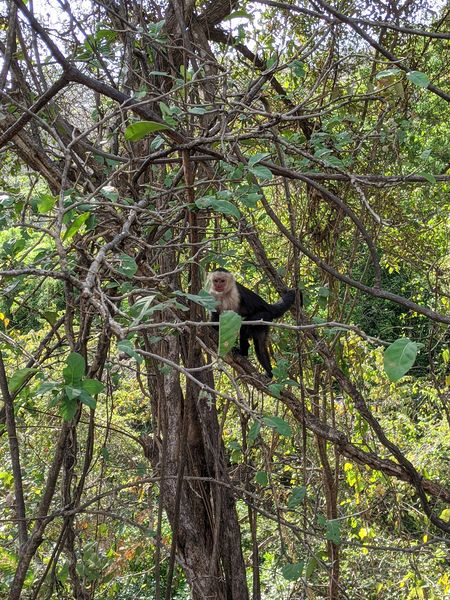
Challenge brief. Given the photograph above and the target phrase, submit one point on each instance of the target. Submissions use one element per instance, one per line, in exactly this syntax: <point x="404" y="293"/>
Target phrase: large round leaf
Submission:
<point x="399" y="357"/>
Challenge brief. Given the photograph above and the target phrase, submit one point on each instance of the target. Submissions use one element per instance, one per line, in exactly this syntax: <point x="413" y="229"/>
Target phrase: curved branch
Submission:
<point x="381" y="49"/>
<point x="370" y="22"/>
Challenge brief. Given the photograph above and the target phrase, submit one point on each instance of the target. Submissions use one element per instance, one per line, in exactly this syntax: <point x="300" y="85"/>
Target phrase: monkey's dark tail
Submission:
<point x="280" y="307"/>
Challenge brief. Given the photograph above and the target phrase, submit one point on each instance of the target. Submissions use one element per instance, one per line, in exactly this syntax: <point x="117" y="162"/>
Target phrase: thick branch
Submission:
<point x="15" y="455"/>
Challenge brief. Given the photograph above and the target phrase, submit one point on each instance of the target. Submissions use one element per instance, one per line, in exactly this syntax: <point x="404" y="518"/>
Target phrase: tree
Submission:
<point x="144" y="143"/>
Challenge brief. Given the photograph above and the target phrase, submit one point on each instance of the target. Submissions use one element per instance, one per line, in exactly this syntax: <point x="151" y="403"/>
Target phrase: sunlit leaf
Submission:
<point x="445" y="515"/>
<point x="238" y="14"/>
<point x="45" y="203"/>
<point x="75" y="226"/>
<point x="137" y="131"/>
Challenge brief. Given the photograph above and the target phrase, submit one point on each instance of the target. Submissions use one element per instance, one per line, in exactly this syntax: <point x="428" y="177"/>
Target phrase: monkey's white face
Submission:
<point x="220" y="283"/>
<point x="223" y="288"/>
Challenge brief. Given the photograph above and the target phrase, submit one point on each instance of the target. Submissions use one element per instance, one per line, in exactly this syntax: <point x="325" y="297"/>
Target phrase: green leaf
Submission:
<point x="261" y="172"/>
<point x="19" y="378"/>
<point x="127" y="347"/>
<point x="92" y="386"/>
<point x="445" y="515"/>
<point x="160" y="73"/>
<point x="293" y="571"/>
<point x="229" y="326"/>
<point x="256" y="158"/>
<point x="323" y="295"/>
<point x="157" y="143"/>
<point x="297" y="496"/>
<point x="281" y="426"/>
<point x="262" y="478"/>
<point x="399" y="357"/>
<point x="333" y="531"/>
<point x="387" y="73"/>
<point x="87" y="399"/>
<point x="45" y="203"/>
<point x="203" y="299"/>
<point x="418" y="78"/>
<point x="276" y="389"/>
<point x="110" y="193"/>
<point x="75" y="226"/>
<point x="221" y="206"/>
<point x="428" y="176"/>
<point x="250" y="200"/>
<point x="63" y="573"/>
<point x="311" y="566"/>
<point x="142" y="307"/>
<point x="298" y="68"/>
<point x="128" y="266"/>
<point x="71" y="392"/>
<point x="253" y="432"/>
<point x="137" y="131"/>
<point x="47" y="386"/>
<point x="197" y="110"/>
<point x="68" y="407"/>
<point x="238" y="14"/>
<point x="75" y="369"/>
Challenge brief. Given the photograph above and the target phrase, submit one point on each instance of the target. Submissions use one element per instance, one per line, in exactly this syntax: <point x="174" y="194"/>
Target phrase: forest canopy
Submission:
<point x="300" y="146"/>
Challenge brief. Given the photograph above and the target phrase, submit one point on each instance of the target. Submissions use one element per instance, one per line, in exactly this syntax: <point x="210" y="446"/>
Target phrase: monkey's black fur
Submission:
<point x="253" y="308"/>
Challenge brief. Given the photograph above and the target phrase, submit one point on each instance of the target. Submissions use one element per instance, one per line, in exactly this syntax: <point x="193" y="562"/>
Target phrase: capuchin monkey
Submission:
<point x="231" y="295"/>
